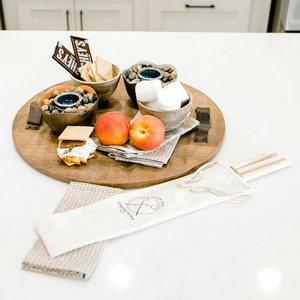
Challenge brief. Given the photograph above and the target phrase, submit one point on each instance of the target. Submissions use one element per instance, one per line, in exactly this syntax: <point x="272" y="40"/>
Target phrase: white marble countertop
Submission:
<point x="247" y="250"/>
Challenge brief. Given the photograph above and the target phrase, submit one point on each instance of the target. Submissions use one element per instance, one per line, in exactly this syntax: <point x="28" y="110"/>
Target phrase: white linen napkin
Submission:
<point x="154" y="158"/>
<point x="125" y="213"/>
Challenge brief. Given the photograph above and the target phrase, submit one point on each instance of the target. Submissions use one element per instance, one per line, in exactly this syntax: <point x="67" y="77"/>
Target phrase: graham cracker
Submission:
<point x="76" y="133"/>
<point x="84" y="71"/>
<point x="104" y="68"/>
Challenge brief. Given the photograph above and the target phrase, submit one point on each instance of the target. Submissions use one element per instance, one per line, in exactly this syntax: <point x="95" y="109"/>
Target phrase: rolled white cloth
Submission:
<point x="125" y="213"/>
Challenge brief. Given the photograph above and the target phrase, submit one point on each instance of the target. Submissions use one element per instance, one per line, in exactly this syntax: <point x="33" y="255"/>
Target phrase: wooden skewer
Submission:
<point x="266" y="169"/>
<point x="262" y="163"/>
<point x="255" y="159"/>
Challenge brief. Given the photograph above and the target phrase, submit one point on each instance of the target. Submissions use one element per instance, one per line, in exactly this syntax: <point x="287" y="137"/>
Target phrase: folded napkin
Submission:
<point x="125" y="213"/>
<point x="79" y="263"/>
<point x="155" y="158"/>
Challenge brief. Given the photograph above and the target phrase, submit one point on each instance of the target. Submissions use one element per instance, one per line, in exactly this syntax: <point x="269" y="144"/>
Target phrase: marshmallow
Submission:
<point x="178" y="91"/>
<point x="172" y="96"/>
<point x="148" y="90"/>
<point x="167" y="101"/>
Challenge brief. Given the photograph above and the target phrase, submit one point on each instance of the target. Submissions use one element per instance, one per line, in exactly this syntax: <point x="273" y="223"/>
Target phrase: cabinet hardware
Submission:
<point x="2" y="16"/>
<point x="200" y="6"/>
<point x="67" y="16"/>
<point x="81" y="25"/>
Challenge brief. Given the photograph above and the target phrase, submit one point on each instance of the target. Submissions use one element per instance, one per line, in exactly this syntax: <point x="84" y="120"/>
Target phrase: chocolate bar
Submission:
<point x="82" y="50"/>
<point x="70" y="144"/>
<point x="35" y="116"/>
<point x="203" y="116"/>
<point x="66" y="59"/>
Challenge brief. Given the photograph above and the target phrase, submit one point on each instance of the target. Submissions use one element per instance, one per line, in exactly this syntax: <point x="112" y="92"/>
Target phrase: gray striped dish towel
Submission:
<point x="78" y="263"/>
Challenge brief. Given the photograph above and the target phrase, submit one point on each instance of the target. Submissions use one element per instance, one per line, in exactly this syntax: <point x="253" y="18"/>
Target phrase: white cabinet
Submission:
<point x="140" y="15"/>
<point x="75" y="14"/>
<point x="199" y="15"/>
<point x="46" y="15"/>
<point x="104" y="15"/>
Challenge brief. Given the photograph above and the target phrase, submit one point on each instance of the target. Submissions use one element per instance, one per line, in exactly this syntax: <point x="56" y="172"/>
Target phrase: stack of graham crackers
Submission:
<point x="98" y="71"/>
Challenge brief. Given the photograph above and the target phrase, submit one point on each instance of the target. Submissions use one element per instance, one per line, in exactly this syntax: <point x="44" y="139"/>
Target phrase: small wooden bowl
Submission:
<point x="103" y="89"/>
<point x="58" y="122"/>
<point x="171" y="118"/>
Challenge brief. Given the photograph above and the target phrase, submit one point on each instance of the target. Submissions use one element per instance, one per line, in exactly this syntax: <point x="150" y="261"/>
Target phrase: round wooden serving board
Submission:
<point x="38" y="147"/>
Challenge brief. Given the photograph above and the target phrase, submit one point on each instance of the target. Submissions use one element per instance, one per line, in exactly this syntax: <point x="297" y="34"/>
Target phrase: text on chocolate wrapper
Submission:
<point x="83" y="54"/>
<point x="67" y="60"/>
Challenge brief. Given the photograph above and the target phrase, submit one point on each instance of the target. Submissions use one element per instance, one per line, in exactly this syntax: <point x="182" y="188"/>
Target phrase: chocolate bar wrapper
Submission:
<point x="82" y="50"/>
<point x="66" y="59"/>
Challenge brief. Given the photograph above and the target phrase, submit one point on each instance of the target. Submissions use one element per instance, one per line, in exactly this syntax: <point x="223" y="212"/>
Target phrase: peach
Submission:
<point x="147" y="132"/>
<point x="112" y="128"/>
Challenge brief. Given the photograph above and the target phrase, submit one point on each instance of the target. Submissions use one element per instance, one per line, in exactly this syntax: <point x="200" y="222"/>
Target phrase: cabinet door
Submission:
<point x="46" y="15"/>
<point x="104" y="15"/>
<point x="199" y="15"/>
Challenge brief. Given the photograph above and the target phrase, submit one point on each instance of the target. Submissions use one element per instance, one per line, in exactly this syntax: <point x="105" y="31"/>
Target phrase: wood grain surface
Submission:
<point x="38" y="147"/>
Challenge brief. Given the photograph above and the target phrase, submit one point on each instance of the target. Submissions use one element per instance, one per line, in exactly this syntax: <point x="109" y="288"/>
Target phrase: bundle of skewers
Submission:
<point x="262" y="164"/>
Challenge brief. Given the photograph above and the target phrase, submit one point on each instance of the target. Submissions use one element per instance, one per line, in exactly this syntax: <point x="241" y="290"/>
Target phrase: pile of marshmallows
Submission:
<point x="152" y="95"/>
